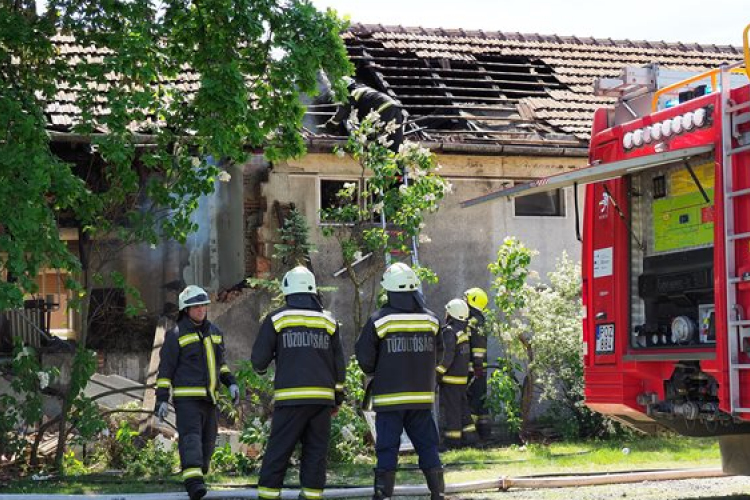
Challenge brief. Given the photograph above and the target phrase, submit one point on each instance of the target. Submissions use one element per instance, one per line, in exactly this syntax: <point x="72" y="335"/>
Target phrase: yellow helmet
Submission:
<point x="476" y="298"/>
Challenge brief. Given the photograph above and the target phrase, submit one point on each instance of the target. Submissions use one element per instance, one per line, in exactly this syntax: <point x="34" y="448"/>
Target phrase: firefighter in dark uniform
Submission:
<point x="365" y="99"/>
<point x="399" y="348"/>
<point x="452" y="374"/>
<point x="477" y="300"/>
<point x="304" y="341"/>
<point x="192" y="365"/>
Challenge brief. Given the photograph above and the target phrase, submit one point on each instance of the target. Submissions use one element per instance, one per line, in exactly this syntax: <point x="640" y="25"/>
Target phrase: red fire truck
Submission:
<point x="666" y="254"/>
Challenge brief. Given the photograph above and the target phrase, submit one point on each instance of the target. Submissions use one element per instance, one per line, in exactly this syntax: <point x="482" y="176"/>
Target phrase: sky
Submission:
<point x="718" y="22"/>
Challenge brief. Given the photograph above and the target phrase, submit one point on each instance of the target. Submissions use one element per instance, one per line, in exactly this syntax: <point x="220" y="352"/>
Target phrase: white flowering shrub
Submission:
<point x="403" y="187"/>
<point x="21" y="409"/>
<point x="541" y="326"/>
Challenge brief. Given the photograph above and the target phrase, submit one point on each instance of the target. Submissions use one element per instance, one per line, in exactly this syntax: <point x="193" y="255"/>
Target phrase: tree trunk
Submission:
<point x="527" y="390"/>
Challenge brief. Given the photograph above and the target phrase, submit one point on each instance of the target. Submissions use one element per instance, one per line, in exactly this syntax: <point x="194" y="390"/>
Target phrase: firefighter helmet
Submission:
<point x="476" y="298"/>
<point x="400" y="278"/>
<point x="298" y="280"/>
<point x="193" y="296"/>
<point x="457" y="309"/>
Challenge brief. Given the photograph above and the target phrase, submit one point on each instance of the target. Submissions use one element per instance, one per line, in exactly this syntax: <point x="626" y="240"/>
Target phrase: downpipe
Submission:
<point x="502" y="484"/>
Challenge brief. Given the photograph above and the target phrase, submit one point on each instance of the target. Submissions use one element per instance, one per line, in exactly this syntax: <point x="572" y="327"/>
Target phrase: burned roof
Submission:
<point x="506" y="88"/>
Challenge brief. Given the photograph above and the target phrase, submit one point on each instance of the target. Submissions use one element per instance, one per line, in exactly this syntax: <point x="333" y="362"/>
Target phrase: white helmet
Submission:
<point x="298" y="280"/>
<point x="193" y="296"/>
<point x="400" y="278"/>
<point x="457" y="309"/>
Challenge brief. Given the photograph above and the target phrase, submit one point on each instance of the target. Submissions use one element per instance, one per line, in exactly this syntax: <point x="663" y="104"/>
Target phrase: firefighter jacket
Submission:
<point x="454" y="368"/>
<point x="364" y="99"/>
<point x="399" y="348"/>
<point x="478" y="341"/>
<point x="192" y="362"/>
<point x="304" y="341"/>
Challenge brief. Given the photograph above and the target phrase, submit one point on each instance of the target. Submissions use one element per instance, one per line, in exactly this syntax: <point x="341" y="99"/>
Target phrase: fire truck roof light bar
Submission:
<point x="591" y="173"/>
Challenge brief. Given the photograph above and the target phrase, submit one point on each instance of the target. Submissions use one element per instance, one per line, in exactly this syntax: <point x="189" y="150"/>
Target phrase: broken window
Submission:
<point x="329" y="199"/>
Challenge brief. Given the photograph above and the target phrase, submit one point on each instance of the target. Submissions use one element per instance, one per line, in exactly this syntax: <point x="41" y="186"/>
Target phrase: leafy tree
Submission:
<point x="151" y="138"/>
<point x="540" y="324"/>
<point x="400" y="187"/>
<point x="511" y="270"/>
<point x="553" y="319"/>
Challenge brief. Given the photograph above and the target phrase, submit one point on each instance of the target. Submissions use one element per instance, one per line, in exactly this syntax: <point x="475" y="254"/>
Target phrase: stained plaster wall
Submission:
<point x="463" y="242"/>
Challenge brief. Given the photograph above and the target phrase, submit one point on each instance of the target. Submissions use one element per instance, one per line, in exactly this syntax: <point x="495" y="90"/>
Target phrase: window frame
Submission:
<point x="562" y="202"/>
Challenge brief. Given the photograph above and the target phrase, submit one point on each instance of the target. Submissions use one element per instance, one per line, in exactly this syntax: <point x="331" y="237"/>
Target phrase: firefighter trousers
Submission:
<point x="477" y="395"/>
<point x="454" y="407"/>
<point x="421" y="429"/>
<point x="197" y="425"/>
<point x="306" y="424"/>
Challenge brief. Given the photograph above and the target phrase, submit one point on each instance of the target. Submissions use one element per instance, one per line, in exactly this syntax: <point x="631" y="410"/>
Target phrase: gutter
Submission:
<point x="326" y="145"/>
<point x="320" y="145"/>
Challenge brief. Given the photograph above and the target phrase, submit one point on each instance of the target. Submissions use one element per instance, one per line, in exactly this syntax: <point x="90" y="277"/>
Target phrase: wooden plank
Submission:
<point x="149" y="396"/>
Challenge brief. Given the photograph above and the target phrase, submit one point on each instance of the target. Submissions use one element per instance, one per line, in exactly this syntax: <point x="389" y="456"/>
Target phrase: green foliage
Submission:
<point x="504" y="393"/>
<point x="124" y="194"/>
<point x="349" y="431"/>
<point x="381" y="192"/>
<point x="73" y="466"/>
<point x="295" y="246"/>
<point x="84" y="414"/>
<point x="224" y="461"/>
<point x="153" y="461"/>
<point x="121" y="447"/>
<point x="510" y="272"/>
<point x="21" y="410"/>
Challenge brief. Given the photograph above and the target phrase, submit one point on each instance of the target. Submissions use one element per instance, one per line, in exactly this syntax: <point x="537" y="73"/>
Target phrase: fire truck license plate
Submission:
<point x="605" y="338"/>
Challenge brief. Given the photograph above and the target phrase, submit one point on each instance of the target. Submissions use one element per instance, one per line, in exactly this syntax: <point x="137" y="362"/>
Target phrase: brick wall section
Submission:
<point x="255" y="207"/>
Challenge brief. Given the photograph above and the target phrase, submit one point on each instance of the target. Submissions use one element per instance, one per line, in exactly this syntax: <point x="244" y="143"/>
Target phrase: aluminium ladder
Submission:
<point x="737" y="327"/>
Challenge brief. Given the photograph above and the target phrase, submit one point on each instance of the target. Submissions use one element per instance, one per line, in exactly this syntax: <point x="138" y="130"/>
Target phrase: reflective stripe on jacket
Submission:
<point x="477" y="340"/>
<point x="191" y="363"/>
<point x="454" y="367"/>
<point x="399" y="348"/>
<point x="306" y="347"/>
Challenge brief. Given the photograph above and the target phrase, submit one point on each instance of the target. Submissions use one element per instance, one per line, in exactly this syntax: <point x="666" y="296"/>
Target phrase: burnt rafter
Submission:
<point x="505" y="87"/>
<point x="471" y="98"/>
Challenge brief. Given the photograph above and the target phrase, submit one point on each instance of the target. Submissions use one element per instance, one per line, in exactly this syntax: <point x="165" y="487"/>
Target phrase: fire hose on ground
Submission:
<point x="501" y="484"/>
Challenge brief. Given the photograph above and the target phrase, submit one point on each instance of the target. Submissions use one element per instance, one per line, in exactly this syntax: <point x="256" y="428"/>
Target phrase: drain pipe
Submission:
<point x="503" y="484"/>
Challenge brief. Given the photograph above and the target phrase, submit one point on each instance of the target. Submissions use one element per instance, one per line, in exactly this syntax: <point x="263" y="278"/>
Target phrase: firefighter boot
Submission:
<point x="435" y="482"/>
<point x="385" y="481"/>
<point x="484" y="427"/>
<point x="196" y="488"/>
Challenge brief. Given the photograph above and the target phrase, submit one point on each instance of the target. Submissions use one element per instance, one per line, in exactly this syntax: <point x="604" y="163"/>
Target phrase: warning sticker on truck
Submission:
<point x="683" y="221"/>
<point x="603" y="262"/>
<point x="683" y="218"/>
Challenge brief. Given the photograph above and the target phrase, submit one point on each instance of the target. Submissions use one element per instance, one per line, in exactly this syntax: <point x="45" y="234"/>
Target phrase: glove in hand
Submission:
<point x="234" y="392"/>
<point x="478" y="372"/>
<point x="162" y="410"/>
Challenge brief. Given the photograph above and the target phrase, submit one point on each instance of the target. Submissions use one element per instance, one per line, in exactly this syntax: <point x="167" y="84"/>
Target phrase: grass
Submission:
<point x="461" y="465"/>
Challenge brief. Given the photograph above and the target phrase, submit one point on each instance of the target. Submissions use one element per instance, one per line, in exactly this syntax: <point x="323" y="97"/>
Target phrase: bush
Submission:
<point x="21" y="410"/>
<point x="224" y="461"/>
<point x="504" y="392"/>
<point x="349" y="429"/>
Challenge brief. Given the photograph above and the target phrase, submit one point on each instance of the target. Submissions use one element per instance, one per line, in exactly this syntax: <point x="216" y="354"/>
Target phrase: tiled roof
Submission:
<point x="63" y="112"/>
<point x="463" y="87"/>
<point x="468" y="86"/>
